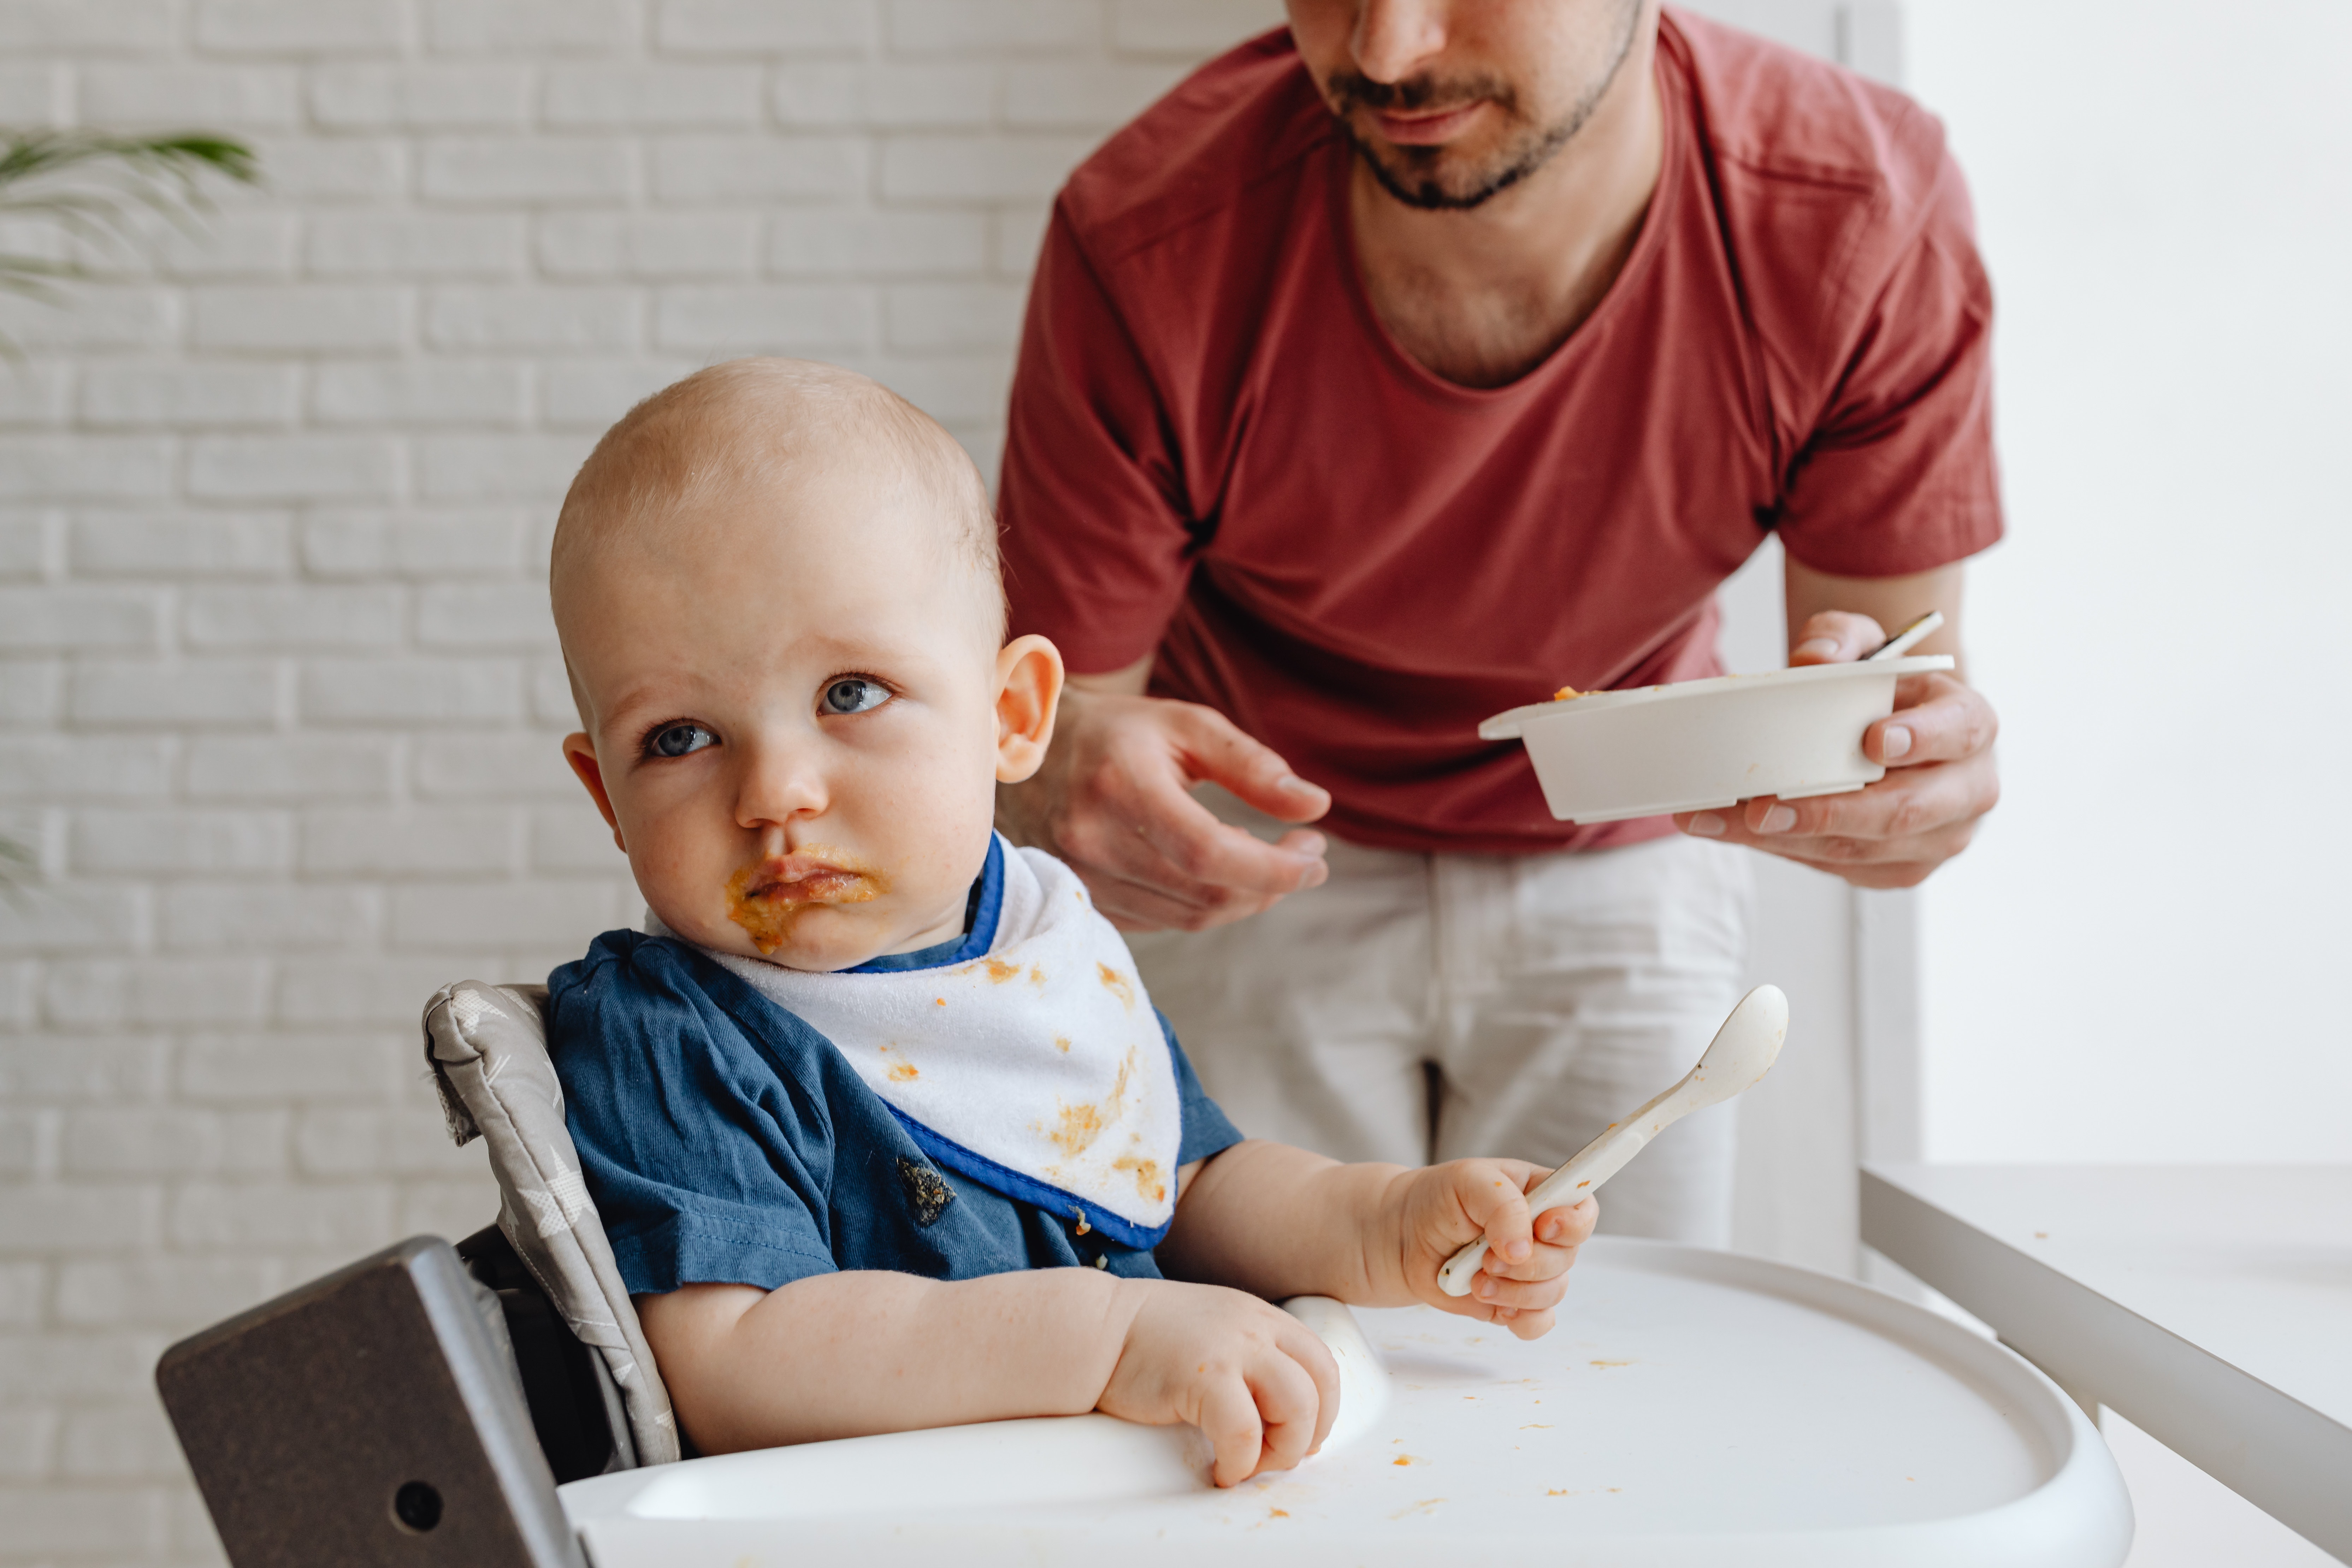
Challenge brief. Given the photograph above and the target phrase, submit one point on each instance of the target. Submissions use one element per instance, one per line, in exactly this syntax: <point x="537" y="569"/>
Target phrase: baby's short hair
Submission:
<point x="754" y="421"/>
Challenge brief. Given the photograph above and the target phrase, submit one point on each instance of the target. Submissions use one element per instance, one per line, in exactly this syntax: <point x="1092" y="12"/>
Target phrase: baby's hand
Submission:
<point x="1442" y="1208"/>
<point x="1253" y="1378"/>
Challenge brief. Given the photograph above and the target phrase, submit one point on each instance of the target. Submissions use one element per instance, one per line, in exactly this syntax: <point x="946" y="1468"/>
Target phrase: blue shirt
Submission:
<point x="726" y="1140"/>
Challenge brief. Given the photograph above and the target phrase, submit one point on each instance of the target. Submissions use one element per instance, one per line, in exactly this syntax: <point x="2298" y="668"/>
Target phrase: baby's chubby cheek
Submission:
<point x="682" y="897"/>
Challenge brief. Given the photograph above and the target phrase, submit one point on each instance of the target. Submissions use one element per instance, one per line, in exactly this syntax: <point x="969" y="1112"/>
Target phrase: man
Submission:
<point x="1399" y="369"/>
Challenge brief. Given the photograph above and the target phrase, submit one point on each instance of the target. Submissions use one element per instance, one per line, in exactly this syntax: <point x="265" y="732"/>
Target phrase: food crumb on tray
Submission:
<point x="1565" y="693"/>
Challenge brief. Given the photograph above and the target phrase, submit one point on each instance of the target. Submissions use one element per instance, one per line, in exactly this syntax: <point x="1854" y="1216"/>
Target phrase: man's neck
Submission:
<point x="1483" y="296"/>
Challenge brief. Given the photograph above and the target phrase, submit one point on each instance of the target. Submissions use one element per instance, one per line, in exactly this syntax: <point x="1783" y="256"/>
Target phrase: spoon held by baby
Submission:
<point x="1743" y="1049"/>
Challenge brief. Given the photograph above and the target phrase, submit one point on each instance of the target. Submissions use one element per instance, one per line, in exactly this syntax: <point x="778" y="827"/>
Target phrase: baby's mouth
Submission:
<point x="767" y="897"/>
<point x="800" y="879"/>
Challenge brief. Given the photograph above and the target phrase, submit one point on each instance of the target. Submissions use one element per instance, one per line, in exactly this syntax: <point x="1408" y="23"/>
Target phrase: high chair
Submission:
<point x="495" y="1405"/>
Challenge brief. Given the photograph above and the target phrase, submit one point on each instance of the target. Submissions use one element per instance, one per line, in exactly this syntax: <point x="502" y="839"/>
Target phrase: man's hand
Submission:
<point x="1257" y="1382"/>
<point x="1937" y="749"/>
<point x="1433" y="1213"/>
<point x="1112" y="800"/>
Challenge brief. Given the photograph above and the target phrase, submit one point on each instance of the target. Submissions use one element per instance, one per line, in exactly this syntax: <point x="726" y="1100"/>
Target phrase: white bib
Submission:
<point x="1039" y="1071"/>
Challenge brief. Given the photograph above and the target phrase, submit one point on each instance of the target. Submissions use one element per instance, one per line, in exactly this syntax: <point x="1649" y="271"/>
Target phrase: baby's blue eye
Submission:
<point x="677" y="740"/>
<point x="854" y="694"/>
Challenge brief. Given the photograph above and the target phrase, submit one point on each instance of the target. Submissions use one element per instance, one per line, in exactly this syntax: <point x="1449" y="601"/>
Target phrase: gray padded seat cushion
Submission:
<point x="488" y="1047"/>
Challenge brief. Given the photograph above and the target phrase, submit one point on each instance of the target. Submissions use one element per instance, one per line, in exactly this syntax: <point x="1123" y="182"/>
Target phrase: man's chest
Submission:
<point x="1480" y="337"/>
<point x="1481" y="322"/>
<point x="1349" y="483"/>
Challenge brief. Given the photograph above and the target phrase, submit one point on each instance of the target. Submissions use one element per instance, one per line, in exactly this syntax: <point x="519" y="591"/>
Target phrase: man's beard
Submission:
<point x="1418" y="182"/>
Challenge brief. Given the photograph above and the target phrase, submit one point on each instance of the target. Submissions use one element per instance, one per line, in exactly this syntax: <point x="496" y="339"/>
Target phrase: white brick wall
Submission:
<point x="278" y="695"/>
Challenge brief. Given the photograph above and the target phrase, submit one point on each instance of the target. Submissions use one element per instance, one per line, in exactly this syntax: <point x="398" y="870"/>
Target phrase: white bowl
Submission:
<point x="1701" y="745"/>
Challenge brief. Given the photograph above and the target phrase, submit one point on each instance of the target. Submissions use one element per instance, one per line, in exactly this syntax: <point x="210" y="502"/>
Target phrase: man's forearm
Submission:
<point x="843" y="1356"/>
<point x="1893" y="602"/>
<point x="1129" y="680"/>
<point x="1277" y="1222"/>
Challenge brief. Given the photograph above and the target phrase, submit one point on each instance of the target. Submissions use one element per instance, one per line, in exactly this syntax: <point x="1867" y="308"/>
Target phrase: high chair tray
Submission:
<point x="1692" y="1407"/>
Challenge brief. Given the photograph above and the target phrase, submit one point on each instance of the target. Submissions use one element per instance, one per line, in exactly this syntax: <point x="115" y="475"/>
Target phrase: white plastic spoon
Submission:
<point x="1741" y="1052"/>
<point x="1902" y="642"/>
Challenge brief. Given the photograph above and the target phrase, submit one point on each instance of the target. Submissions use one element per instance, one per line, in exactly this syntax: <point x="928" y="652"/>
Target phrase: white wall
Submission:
<point x="279" y="700"/>
<point x="2139" y="960"/>
<point x="2136" y="961"/>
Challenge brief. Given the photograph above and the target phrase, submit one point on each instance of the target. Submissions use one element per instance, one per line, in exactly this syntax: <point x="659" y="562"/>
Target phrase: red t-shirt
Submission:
<point x="1217" y="453"/>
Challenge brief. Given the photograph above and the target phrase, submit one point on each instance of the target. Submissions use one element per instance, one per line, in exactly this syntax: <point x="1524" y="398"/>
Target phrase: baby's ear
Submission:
<point x="580" y="752"/>
<point x="1028" y="694"/>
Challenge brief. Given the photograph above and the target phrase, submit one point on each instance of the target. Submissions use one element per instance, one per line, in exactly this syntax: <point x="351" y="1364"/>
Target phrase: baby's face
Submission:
<point x="799" y="718"/>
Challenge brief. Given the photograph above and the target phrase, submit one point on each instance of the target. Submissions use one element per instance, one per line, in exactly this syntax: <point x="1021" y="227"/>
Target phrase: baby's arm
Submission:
<point x="1278" y="1221"/>
<point x="841" y="1355"/>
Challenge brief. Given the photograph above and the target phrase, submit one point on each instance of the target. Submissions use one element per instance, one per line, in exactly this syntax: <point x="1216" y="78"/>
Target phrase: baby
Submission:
<point x="882" y="1126"/>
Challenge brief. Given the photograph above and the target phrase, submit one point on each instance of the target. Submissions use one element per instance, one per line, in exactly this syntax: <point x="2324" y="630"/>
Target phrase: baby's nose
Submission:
<point x="777" y="786"/>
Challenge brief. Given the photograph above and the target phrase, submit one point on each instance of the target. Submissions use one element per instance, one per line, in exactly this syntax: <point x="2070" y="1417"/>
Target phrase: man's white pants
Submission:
<point x="1420" y="1007"/>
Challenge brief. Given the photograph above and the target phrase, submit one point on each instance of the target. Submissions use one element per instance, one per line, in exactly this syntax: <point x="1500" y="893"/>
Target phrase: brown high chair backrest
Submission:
<point x="370" y="1417"/>
<point x="421" y="1406"/>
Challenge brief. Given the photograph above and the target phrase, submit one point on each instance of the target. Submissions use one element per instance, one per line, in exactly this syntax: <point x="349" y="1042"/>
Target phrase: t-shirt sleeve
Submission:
<point x="1206" y="1129"/>
<point x="704" y="1164"/>
<point x="1898" y="475"/>
<point x="1096" y="538"/>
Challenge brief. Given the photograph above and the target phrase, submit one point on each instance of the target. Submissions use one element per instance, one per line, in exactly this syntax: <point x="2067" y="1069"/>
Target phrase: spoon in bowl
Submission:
<point x="1743" y="1049"/>
<point x="1903" y="642"/>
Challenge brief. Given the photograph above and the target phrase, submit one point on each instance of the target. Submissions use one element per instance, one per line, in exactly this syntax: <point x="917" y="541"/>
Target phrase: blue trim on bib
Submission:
<point x="1028" y="1189"/>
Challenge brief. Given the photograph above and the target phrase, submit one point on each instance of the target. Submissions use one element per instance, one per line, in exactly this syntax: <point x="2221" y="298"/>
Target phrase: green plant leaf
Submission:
<point x="93" y="188"/>
<point x="16" y="869"/>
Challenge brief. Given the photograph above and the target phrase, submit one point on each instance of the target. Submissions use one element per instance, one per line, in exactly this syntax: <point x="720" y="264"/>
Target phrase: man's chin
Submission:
<point x="1438" y="179"/>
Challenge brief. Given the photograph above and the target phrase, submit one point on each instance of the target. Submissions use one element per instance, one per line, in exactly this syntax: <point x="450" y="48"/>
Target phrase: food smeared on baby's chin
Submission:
<point x="768" y="897"/>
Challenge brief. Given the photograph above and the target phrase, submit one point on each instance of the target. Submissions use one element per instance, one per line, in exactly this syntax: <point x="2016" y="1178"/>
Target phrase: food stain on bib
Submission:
<point x="1080" y="1125"/>
<point x="998" y="972"/>
<point x="1148" y="1184"/>
<point x="1118" y="984"/>
<point x="768" y="897"/>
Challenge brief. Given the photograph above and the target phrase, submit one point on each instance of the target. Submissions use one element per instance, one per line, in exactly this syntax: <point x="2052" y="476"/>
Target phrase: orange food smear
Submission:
<point x="1080" y="1125"/>
<point x="768" y="908"/>
<point x="1566" y="693"/>
<point x="1148" y="1184"/>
